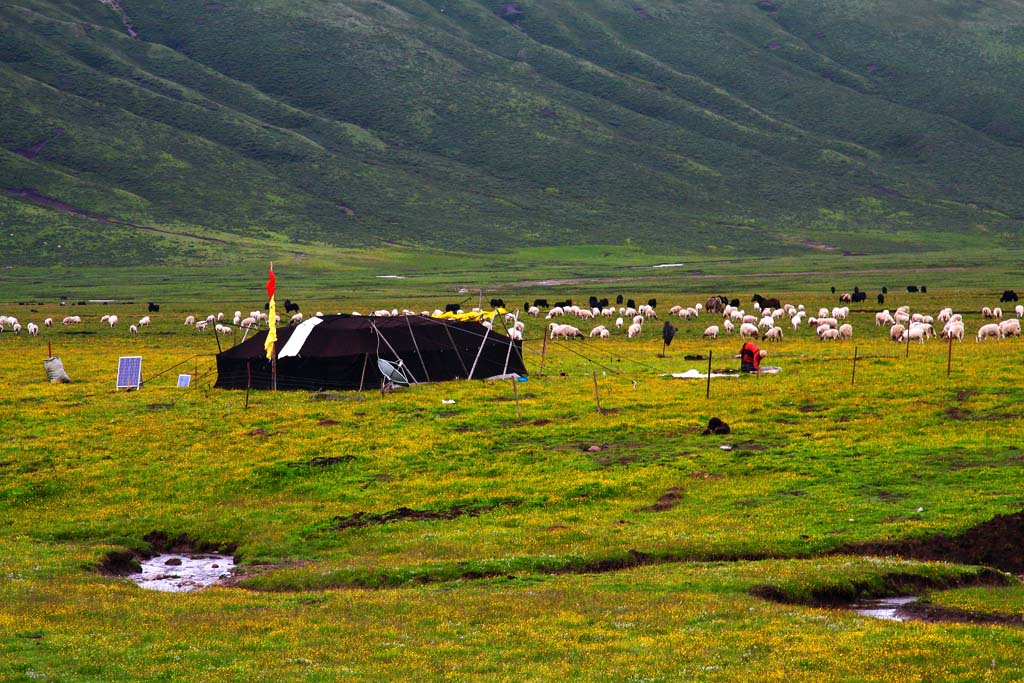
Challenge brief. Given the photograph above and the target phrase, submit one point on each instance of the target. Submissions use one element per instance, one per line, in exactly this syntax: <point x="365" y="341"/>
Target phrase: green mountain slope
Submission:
<point x="478" y="125"/>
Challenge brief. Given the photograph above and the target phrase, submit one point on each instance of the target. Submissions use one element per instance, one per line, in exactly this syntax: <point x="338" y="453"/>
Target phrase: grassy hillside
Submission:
<point x="480" y="126"/>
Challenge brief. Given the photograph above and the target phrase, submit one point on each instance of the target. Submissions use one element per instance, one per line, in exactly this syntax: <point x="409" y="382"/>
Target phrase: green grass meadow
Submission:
<point x="568" y="544"/>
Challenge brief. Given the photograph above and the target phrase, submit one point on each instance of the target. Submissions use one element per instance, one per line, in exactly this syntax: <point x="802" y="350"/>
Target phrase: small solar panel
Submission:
<point x="129" y="372"/>
<point x="184" y="381"/>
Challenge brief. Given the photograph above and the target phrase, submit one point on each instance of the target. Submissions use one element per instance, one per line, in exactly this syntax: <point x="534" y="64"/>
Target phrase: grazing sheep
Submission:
<point x="201" y="326"/>
<point x="766" y="322"/>
<point x="17" y="328"/>
<point x="675" y="310"/>
<point x="295" y="319"/>
<point x="48" y="322"/>
<point x="774" y="334"/>
<point x="989" y="331"/>
<point x="190" y="320"/>
<point x="997" y="313"/>
<point x="749" y="330"/>
<point x="750" y="319"/>
<point x="638" y="320"/>
<point x="248" y="323"/>
<point x="832" y="334"/>
<point x="564" y="331"/>
<point x="220" y="316"/>
<point x="986" y="312"/>
<point x="634" y="330"/>
<point x="953" y="330"/>
<point x="105" y="318"/>
<point x="821" y="330"/>
<point x="112" y="320"/>
<point x="897" y="332"/>
<point x="515" y="335"/>
<point x="144" y="321"/>
<point x="884" y="318"/>
<point x="1019" y="311"/>
<point x="944" y="315"/>
<point x="133" y="330"/>
<point x="533" y="310"/>
<point x="596" y="332"/>
<point x="519" y="325"/>
<point x="711" y="332"/>
<point x="796" y="320"/>
<point x="619" y="323"/>
<point x="1008" y="328"/>
<point x="728" y="327"/>
<point x="33" y="330"/>
<point x="846" y="331"/>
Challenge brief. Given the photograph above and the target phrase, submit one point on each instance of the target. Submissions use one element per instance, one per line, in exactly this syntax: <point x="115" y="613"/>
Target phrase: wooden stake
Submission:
<point x="543" y="355"/>
<point x="515" y="392"/>
<point x="49" y="349"/>
<point x="853" y="377"/>
<point x="949" y="357"/>
<point x="597" y="395"/>
<point x="707" y="392"/>
<point x="908" y="342"/>
<point x="362" y="377"/>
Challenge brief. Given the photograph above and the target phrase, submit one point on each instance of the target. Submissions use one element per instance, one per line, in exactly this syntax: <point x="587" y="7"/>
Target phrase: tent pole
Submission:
<point x="479" y="351"/>
<point x="512" y="345"/>
<point x="385" y="340"/>
<point x="417" y="347"/>
<point x="362" y="377"/>
<point x="458" y="354"/>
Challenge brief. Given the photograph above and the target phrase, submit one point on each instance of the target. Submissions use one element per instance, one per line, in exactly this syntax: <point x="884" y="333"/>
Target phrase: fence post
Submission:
<point x="515" y="392"/>
<point x="853" y="377"/>
<point x="707" y="392"/>
<point x="597" y="396"/>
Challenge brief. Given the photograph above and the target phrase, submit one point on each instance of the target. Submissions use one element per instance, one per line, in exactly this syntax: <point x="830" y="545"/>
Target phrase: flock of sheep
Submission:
<point x="763" y="323"/>
<point x="767" y="323"/>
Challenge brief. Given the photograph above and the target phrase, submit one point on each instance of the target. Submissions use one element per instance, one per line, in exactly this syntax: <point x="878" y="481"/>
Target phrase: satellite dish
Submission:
<point x="393" y="372"/>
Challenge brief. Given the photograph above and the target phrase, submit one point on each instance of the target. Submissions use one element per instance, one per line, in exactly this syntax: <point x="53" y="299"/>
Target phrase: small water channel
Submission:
<point x="180" y="572"/>
<point x="883" y="608"/>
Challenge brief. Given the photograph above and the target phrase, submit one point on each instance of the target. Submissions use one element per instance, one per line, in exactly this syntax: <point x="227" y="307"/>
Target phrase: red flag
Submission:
<point x="271" y="283"/>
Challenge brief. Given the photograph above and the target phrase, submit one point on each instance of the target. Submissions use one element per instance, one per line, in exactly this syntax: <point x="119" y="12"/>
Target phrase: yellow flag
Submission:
<point x="271" y="315"/>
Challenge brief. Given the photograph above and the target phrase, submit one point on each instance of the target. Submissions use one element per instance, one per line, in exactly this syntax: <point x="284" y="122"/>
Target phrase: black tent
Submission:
<point x="341" y="352"/>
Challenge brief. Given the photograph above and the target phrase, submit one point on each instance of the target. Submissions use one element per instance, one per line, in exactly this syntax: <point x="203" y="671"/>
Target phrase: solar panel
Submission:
<point x="129" y="372"/>
<point x="184" y="381"/>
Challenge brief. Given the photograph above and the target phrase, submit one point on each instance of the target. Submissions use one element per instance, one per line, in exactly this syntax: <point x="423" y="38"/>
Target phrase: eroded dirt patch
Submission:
<point x="471" y="509"/>
<point x="323" y="461"/>
<point x="997" y="543"/>
<point x="667" y="501"/>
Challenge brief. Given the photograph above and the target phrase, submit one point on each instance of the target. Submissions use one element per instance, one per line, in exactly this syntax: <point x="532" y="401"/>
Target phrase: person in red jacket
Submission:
<point x="750" y="357"/>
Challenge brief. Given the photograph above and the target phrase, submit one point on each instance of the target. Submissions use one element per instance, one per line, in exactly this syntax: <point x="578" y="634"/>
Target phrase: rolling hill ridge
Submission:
<point x="756" y="127"/>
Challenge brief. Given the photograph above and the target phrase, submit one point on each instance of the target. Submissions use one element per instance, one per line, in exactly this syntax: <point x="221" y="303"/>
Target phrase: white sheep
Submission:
<point x="846" y="331"/>
<point x="897" y="332"/>
<point x="296" y="319"/>
<point x="953" y="330"/>
<point x="796" y="320"/>
<point x="748" y="330"/>
<point x="144" y="321"/>
<point x="16" y="327"/>
<point x="112" y="320"/>
<point x="989" y="331"/>
<point x="766" y="322"/>
<point x="133" y="330"/>
<point x="750" y="319"/>
<point x="986" y="312"/>
<point x="728" y="327"/>
<point x="519" y="325"/>
<point x="556" y="311"/>
<point x="1019" y="310"/>
<point x="711" y="332"/>
<point x="105" y="318"/>
<point x="832" y="334"/>
<point x="634" y="330"/>
<point x="33" y="330"/>
<point x="201" y="326"/>
<point x="997" y="313"/>
<point x="1010" y="327"/>
<point x="190" y="320"/>
<point x="821" y="330"/>
<point x="638" y="320"/>
<point x="774" y="334"/>
<point x="533" y="310"/>
<point x="944" y="315"/>
<point x="248" y="323"/>
<point x="515" y="334"/>
<point x="619" y="323"/>
<point x="596" y="332"/>
<point x="884" y="318"/>
<point x="220" y="316"/>
<point x="48" y="322"/>
<point x="563" y="331"/>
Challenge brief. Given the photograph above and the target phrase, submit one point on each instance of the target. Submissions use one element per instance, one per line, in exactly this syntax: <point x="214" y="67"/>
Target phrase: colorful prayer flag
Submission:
<point x="271" y="315"/>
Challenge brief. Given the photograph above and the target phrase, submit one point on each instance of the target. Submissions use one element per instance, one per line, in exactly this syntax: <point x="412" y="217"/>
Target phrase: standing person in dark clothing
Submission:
<point x="750" y="357"/>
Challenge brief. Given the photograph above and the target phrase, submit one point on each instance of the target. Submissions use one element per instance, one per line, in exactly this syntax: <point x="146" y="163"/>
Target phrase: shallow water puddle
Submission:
<point x="177" y="572"/>
<point x="883" y="608"/>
